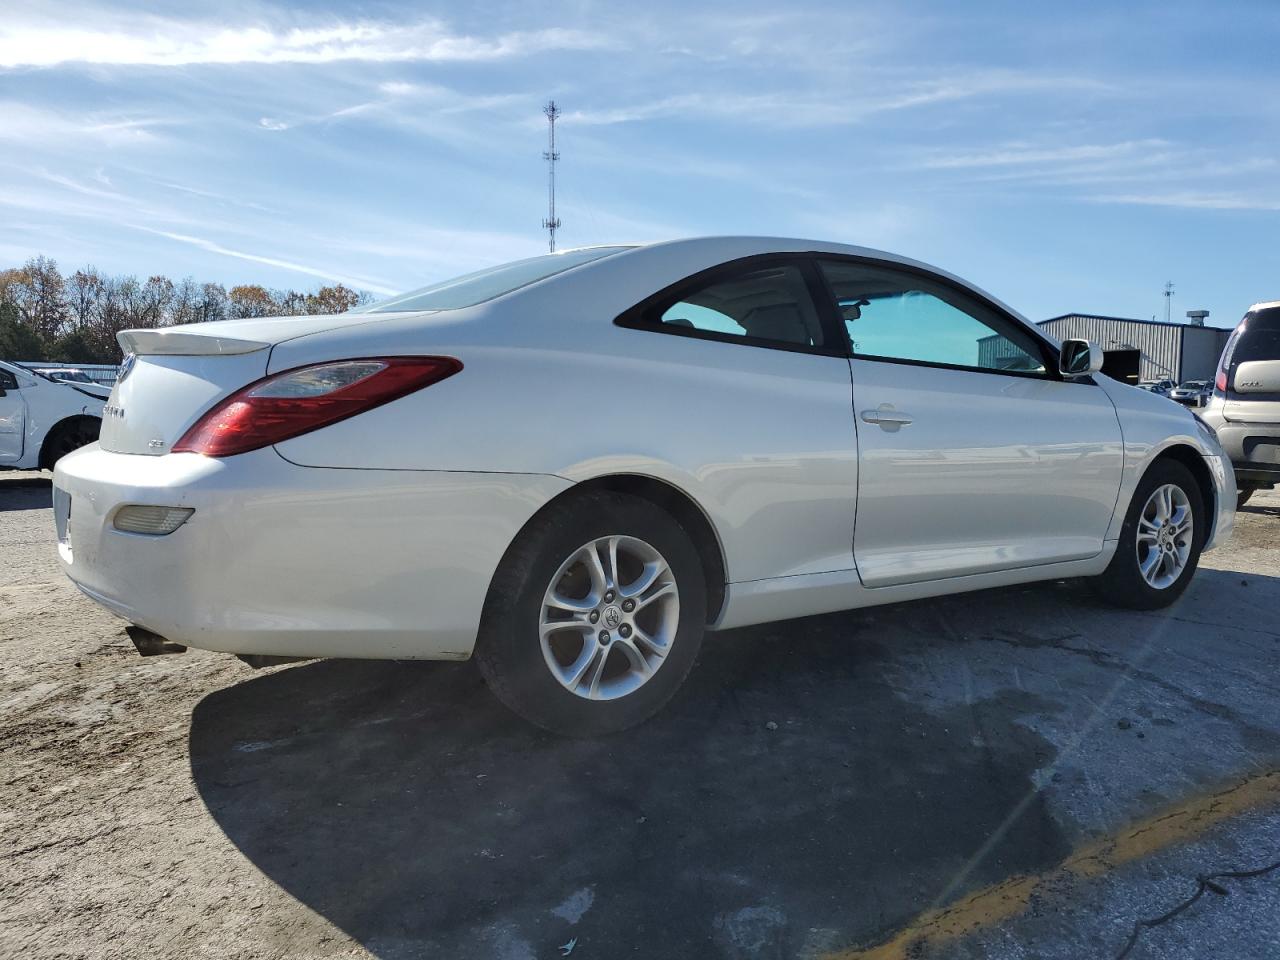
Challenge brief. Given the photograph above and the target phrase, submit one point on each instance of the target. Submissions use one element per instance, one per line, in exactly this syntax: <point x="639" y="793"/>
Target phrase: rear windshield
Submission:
<point x="473" y="288"/>
<point x="1258" y="337"/>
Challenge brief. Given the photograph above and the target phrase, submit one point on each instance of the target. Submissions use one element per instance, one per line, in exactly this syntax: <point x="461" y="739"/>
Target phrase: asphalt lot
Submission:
<point x="1014" y="773"/>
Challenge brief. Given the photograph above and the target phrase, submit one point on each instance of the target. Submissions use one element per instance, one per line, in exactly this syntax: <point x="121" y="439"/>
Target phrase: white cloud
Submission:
<point x="165" y="42"/>
<point x="362" y="283"/>
<point x="20" y="123"/>
<point x="1191" y="201"/>
<point x="880" y="94"/>
<point x="1018" y="154"/>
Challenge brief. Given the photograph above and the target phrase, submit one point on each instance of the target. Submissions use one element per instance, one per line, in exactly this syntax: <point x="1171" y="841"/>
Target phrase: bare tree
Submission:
<point x="335" y="299"/>
<point x="251" y="300"/>
<point x="36" y="290"/>
<point x="82" y="292"/>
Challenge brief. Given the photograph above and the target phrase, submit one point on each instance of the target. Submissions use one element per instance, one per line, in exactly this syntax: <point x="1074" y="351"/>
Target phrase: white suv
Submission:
<point x="1245" y="406"/>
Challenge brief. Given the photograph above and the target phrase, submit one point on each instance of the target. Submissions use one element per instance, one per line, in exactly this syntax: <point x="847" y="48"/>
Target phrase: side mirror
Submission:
<point x="1079" y="358"/>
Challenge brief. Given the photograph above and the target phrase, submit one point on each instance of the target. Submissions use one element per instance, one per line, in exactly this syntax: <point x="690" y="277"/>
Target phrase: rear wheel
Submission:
<point x="1160" y="541"/>
<point x="68" y="436"/>
<point x="595" y="616"/>
<point x="1243" y="495"/>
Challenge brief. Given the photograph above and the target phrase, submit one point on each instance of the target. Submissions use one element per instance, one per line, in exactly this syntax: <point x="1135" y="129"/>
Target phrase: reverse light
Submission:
<point x="289" y="404"/>
<point x="156" y="521"/>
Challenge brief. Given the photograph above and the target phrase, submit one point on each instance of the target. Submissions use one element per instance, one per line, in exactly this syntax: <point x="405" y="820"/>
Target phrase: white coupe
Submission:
<point x="43" y="418"/>
<point x="572" y="466"/>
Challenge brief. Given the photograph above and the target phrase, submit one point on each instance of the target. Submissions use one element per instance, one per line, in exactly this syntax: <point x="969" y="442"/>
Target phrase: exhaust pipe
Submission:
<point x="151" y="644"/>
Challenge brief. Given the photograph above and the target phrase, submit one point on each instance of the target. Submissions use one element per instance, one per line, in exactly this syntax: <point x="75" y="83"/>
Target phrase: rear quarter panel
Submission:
<point x="762" y="440"/>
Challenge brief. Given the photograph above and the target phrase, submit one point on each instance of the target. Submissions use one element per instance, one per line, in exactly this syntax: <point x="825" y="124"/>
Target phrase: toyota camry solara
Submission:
<point x="570" y="467"/>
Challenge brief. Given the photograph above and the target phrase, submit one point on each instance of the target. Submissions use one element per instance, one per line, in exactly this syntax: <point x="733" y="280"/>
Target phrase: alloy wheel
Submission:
<point x="1166" y="526"/>
<point x="609" y="617"/>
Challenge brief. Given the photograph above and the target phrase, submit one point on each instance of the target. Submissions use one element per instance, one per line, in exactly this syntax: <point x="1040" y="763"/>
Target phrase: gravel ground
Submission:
<point x="817" y="787"/>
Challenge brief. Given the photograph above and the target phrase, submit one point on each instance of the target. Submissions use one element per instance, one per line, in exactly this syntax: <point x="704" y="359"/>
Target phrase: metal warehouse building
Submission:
<point x="1146" y="349"/>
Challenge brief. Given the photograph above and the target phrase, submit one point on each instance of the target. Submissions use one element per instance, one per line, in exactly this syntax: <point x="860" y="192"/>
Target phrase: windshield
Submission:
<point x="473" y="288"/>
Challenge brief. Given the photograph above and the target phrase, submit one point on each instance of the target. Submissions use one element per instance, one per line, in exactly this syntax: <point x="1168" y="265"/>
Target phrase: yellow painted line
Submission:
<point x="1009" y="898"/>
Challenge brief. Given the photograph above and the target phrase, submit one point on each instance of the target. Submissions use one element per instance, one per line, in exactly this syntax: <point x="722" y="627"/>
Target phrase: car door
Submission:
<point x="755" y="395"/>
<point x="13" y="417"/>
<point x="974" y="454"/>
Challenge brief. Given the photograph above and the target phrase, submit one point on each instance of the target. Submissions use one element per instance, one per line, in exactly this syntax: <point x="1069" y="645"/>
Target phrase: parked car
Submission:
<point x="571" y="466"/>
<point x="1192" y="392"/>
<point x="1162" y="387"/>
<point x="1244" y="408"/>
<point x="42" y="419"/>
<point x="65" y="375"/>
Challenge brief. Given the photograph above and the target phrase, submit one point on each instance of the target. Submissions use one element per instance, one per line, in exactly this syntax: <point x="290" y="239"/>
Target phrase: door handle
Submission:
<point x="886" y="417"/>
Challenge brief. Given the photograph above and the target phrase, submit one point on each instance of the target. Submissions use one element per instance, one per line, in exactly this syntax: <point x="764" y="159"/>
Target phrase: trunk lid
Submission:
<point x="173" y="375"/>
<point x="1255" y="393"/>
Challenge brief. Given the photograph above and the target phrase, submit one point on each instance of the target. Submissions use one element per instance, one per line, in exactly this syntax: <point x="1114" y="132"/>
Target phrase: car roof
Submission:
<point x="720" y="249"/>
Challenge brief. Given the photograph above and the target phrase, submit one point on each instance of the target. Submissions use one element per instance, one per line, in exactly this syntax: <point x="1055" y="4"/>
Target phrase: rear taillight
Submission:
<point x="298" y="401"/>
<point x="1224" y="362"/>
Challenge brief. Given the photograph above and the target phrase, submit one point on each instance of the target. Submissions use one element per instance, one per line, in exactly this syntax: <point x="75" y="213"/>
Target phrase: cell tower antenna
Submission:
<point x="552" y="223"/>
<point x="1168" y="300"/>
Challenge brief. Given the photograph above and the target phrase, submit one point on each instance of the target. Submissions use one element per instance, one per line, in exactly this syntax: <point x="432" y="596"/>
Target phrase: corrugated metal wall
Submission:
<point x="1159" y="344"/>
<point x="1201" y="348"/>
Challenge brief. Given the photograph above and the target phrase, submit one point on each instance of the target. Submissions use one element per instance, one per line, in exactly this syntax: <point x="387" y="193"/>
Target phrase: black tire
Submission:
<point x="1243" y="495"/>
<point x="509" y="648"/>
<point x="68" y="436"/>
<point x="1123" y="584"/>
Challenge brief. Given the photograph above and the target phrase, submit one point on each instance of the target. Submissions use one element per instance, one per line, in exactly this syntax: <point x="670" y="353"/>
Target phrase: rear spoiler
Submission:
<point x="172" y="343"/>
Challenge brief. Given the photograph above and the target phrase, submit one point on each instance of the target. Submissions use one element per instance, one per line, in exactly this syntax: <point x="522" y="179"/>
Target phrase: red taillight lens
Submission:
<point x="1221" y="382"/>
<point x="295" y="402"/>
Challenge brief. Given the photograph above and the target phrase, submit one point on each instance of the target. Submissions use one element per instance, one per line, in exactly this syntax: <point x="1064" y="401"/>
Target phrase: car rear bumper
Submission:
<point x="1254" y="449"/>
<point x="284" y="560"/>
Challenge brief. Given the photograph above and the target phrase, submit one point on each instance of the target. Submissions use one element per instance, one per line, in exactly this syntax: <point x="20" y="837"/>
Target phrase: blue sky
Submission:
<point x="1064" y="156"/>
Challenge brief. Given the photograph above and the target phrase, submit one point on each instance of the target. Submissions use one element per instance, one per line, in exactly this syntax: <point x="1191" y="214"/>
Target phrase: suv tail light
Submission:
<point x="289" y="404"/>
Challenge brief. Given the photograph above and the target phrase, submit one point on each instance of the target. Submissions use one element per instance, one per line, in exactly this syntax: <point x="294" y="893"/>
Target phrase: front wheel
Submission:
<point x="1243" y="495"/>
<point x="1160" y="542"/>
<point x="595" y="616"/>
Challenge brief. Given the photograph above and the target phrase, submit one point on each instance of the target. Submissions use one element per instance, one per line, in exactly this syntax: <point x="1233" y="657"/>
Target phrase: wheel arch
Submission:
<point x="674" y="501"/>
<point x="1191" y="458"/>
<point x="46" y="448"/>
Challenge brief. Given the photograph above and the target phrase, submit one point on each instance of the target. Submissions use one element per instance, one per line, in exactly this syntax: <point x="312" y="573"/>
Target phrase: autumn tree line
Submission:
<point x="45" y="315"/>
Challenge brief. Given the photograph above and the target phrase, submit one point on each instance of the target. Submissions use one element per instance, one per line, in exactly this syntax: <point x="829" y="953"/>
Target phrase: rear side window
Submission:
<point x="770" y="303"/>
<point x="1257" y="337"/>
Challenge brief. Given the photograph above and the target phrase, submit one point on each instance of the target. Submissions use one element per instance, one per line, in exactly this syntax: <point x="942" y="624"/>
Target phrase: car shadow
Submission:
<point x="25" y="491"/>
<point x="816" y="783"/>
<point x="1261" y="509"/>
<point x="787" y="783"/>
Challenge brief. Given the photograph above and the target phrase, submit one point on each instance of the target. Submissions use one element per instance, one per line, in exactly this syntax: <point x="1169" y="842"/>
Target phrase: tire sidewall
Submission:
<point x="1123" y="571"/>
<point x="509" y="649"/>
